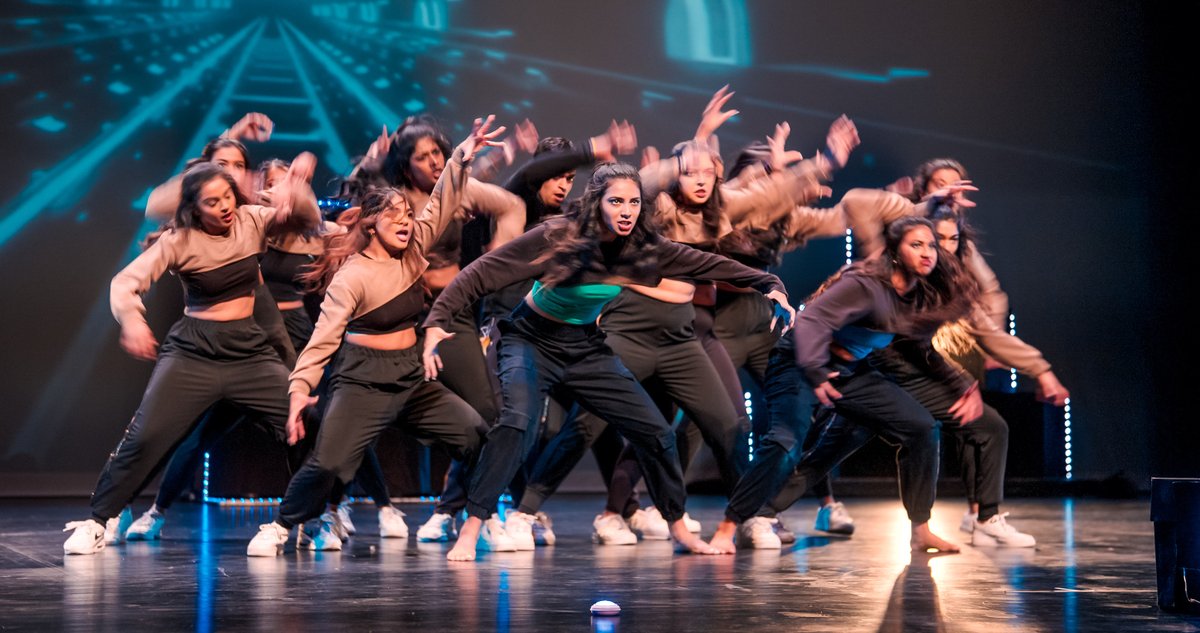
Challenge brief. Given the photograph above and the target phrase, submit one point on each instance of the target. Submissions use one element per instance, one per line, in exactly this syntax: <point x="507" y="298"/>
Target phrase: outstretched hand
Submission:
<point x="619" y="138"/>
<point x="650" y="156"/>
<point x="841" y="140"/>
<point x="955" y="194"/>
<point x="254" y="126"/>
<point x="713" y="117"/>
<point x="783" y="311"/>
<point x="777" y="142"/>
<point x="525" y="137"/>
<point x="138" y="341"/>
<point x="299" y="174"/>
<point x="297" y="403"/>
<point x="429" y="355"/>
<point x="482" y="136"/>
<point x="1050" y="390"/>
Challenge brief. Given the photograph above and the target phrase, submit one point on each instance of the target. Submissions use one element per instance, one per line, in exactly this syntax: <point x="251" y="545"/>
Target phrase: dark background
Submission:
<point x="1069" y="116"/>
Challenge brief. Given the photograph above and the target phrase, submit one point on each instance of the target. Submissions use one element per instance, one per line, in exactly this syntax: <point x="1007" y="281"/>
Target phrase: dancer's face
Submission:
<point x="620" y="206"/>
<point x="426" y="164"/>
<point x="697" y="177"/>
<point x="217" y="204"/>
<point x="232" y="161"/>
<point x="394" y="225"/>
<point x="941" y="178"/>
<point x="917" y="253"/>
<point x="947" y="235"/>
<point x="555" y="190"/>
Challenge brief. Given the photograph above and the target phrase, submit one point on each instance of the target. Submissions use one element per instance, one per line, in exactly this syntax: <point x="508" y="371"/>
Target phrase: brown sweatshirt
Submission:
<point x="869" y="211"/>
<point x="476" y="198"/>
<point x="363" y="284"/>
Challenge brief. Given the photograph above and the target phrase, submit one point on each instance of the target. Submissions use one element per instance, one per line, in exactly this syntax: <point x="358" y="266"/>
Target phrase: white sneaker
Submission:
<point x="519" y="527"/>
<point x="543" y="529"/>
<point x="148" y="527"/>
<point x="611" y="530"/>
<point x="693" y="525"/>
<point x="968" y="522"/>
<point x="758" y="533"/>
<point x="324" y="537"/>
<point x="88" y="537"/>
<point x="391" y="523"/>
<point x="344" y="522"/>
<point x="115" y="528"/>
<point x="650" y="524"/>
<point x="835" y="519"/>
<point x="996" y="532"/>
<point x="439" y="527"/>
<point x="269" y="541"/>
<point x="494" y="538"/>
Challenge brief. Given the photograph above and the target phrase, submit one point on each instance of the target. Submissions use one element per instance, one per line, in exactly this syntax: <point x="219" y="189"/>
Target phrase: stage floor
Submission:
<point x="1093" y="570"/>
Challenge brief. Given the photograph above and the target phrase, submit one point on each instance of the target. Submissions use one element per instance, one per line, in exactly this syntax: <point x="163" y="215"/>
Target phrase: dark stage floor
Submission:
<point x="1093" y="570"/>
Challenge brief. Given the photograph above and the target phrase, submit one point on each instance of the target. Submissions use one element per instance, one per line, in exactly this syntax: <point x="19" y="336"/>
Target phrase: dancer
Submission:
<point x="908" y="290"/>
<point x="552" y="345"/>
<point x="216" y="351"/>
<point x="373" y="297"/>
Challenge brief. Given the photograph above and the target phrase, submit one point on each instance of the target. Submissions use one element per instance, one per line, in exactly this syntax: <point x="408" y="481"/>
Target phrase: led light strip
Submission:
<point x="749" y="414"/>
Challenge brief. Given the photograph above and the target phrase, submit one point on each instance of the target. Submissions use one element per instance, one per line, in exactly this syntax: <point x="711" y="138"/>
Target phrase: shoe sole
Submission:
<point x="844" y="531"/>
<point x="599" y="540"/>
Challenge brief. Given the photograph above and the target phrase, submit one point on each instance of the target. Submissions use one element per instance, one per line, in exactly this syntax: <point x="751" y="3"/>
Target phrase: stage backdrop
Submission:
<point x="1047" y="105"/>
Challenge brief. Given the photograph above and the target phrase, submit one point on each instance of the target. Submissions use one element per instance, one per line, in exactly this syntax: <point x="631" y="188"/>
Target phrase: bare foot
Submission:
<point x="722" y="541"/>
<point x="686" y="542"/>
<point x="924" y="540"/>
<point x="464" y="547"/>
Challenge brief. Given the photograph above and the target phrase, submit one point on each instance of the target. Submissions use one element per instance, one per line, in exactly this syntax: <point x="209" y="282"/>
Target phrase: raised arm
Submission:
<point x="164" y="200"/>
<point x="481" y="198"/>
<point x="296" y="209"/>
<point x="869" y="211"/>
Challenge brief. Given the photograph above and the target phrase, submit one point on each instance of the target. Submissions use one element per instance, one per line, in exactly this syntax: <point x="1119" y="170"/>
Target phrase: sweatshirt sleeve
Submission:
<point x="677" y="261"/>
<point x="125" y="292"/>
<point x="481" y="198"/>
<point x="497" y="269"/>
<point x="869" y="211"/>
<point x="806" y="223"/>
<point x="765" y="200"/>
<point x="337" y="308"/>
<point x="658" y="176"/>
<point x="530" y="176"/>
<point x="991" y="296"/>
<point x="1005" y="347"/>
<point x="844" y="302"/>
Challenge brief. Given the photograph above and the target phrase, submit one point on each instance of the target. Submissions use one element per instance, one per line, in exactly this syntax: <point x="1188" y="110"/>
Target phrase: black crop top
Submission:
<point x="401" y="313"/>
<point x="208" y="288"/>
<point x="281" y="271"/>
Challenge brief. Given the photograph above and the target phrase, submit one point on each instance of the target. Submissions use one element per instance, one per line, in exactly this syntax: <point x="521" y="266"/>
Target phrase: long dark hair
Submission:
<point x="576" y="239"/>
<point x="221" y="143"/>
<point x="946" y="294"/>
<point x="396" y="168"/>
<point x="187" y="214"/>
<point x="359" y="221"/>
<point x="710" y="211"/>
<point x="925" y="172"/>
<point x="967" y="234"/>
<point x="767" y="245"/>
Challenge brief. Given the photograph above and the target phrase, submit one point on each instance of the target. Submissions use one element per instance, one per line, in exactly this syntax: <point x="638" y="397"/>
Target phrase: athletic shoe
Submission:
<point x="758" y="533"/>
<point x="439" y="527"/>
<point x="650" y="524"/>
<point x="968" y="522"/>
<point x="543" y="532"/>
<point x="996" y="532"/>
<point x="148" y="527"/>
<point x="786" y="536"/>
<point x="323" y="538"/>
<point x="115" y="528"/>
<point x="88" y="537"/>
<point x="494" y="538"/>
<point x="611" y="529"/>
<point x="835" y="519"/>
<point x="343" y="514"/>
<point x="519" y="527"/>
<point x="693" y="525"/>
<point x="391" y="523"/>
<point x="269" y="541"/>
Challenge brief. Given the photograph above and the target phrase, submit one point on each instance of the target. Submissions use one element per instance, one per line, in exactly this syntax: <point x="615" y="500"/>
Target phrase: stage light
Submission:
<point x="1012" y="372"/>
<point x="849" y="246"/>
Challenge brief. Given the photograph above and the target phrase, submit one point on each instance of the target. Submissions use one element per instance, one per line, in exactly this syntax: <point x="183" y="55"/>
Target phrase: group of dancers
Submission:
<point x="517" y="328"/>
